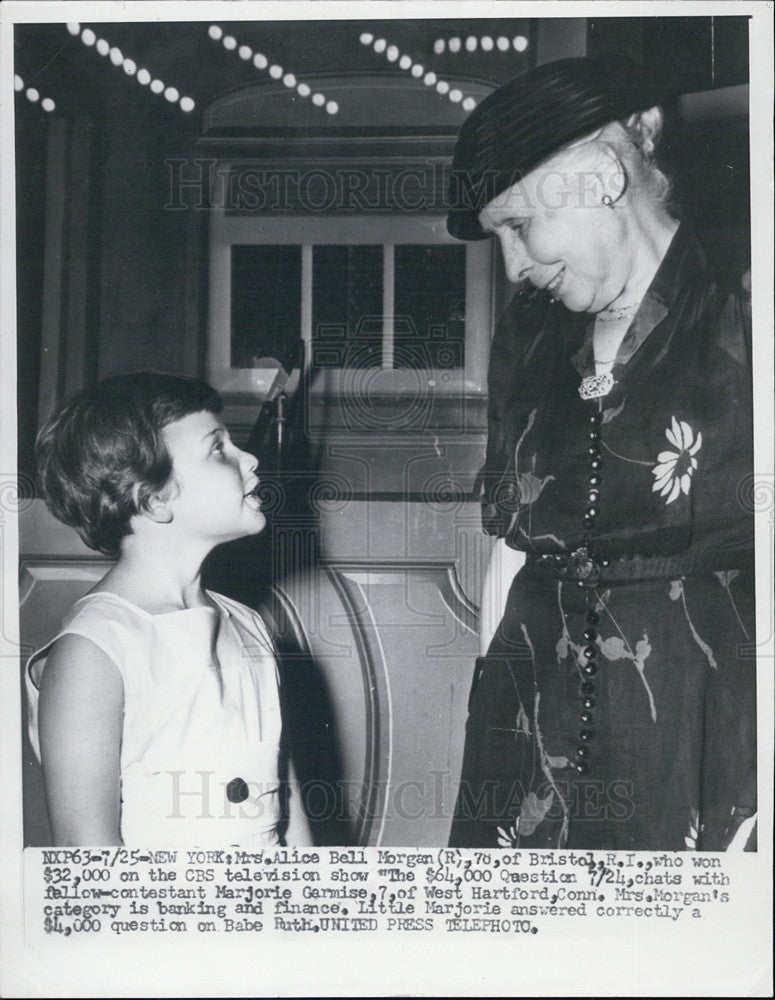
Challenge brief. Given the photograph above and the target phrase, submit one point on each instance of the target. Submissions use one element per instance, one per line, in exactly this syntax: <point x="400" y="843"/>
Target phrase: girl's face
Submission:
<point x="556" y="233"/>
<point x="214" y="482"/>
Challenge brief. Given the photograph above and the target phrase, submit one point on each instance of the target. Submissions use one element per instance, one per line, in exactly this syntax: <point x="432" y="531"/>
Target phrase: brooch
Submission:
<point x="595" y="386"/>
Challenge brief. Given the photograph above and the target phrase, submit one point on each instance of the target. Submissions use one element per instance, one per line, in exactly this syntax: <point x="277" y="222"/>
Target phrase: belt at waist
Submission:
<point x="586" y="570"/>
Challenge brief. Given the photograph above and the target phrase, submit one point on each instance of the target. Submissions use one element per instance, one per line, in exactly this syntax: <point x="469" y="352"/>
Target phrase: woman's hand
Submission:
<point x="80" y="723"/>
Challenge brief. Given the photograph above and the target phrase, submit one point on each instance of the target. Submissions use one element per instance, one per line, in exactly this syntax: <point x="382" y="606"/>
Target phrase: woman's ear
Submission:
<point x="646" y="127"/>
<point x="153" y="505"/>
<point x="612" y="173"/>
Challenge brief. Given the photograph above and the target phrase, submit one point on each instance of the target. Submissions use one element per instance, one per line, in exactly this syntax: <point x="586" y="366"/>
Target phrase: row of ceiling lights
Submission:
<point x="406" y="63"/>
<point x="261" y="62"/>
<point x="274" y="70"/>
<point x="32" y="94"/>
<point x="486" y="43"/>
<point x="117" y="58"/>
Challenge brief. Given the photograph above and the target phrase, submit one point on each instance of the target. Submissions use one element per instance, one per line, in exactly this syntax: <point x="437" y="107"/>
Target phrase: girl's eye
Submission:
<point x="218" y="447"/>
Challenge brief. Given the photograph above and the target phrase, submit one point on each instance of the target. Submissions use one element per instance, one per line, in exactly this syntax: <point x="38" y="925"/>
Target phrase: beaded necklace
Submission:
<point x="587" y="572"/>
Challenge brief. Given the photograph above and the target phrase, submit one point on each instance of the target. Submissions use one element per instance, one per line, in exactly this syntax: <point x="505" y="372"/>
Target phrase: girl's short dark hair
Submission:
<point x="105" y="442"/>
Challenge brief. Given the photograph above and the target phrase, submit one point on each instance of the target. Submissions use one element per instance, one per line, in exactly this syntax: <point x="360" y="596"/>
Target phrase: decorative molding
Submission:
<point x="369" y="104"/>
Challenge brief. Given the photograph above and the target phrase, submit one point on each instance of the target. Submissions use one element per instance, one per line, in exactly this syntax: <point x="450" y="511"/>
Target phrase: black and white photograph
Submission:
<point x="387" y="507"/>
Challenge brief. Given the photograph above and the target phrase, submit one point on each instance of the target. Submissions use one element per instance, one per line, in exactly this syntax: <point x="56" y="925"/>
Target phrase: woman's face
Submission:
<point x="556" y="233"/>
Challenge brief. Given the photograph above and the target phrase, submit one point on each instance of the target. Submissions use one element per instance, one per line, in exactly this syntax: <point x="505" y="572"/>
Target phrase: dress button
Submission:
<point x="586" y="718"/>
<point x="596" y="460"/>
<point x="237" y="790"/>
<point x="595" y="479"/>
<point x="592" y="617"/>
<point x="587" y="688"/>
<point x="588" y="702"/>
<point x="582" y="767"/>
<point x="590" y="669"/>
<point x="593" y="496"/>
<point x="590" y="652"/>
<point x="582" y="751"/>
<point x="590" y="634"/>
<point x="586" y="735"/>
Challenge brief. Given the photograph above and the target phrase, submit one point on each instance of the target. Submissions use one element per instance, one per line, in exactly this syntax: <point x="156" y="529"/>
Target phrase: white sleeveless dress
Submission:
<point x="202" y="724"/>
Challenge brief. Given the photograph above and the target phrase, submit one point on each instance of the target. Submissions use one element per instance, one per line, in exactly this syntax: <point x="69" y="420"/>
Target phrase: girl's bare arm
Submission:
<point x="80" y="717"/>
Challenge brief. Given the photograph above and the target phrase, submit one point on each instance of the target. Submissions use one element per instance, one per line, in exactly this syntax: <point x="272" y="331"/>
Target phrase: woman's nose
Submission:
<point x="515" y="260"/>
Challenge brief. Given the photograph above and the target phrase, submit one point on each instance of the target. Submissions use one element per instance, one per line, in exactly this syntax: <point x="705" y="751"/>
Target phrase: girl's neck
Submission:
<point x="157" y="583"/>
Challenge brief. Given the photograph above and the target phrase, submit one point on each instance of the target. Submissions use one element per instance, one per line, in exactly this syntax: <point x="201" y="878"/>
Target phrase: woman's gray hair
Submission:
<point x="635" y="141"/>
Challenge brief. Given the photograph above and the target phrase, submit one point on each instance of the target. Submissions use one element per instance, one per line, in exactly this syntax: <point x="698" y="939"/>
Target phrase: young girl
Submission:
<point x="155" y="711"/>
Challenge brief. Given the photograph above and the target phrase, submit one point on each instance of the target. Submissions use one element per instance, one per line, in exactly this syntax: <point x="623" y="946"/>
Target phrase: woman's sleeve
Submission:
<point x="511" y="395"/>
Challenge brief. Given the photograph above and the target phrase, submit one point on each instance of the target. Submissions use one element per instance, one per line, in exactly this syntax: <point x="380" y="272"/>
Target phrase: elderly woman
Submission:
<point x="615" y="708"/>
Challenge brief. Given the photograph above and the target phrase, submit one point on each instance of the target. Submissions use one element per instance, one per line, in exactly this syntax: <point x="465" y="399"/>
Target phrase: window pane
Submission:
<point x="347" y="306"/>
<point x="265" y="304"/>
<point x="430" y="297"/>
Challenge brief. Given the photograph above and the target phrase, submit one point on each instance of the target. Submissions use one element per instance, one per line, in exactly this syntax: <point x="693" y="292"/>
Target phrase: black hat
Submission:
<point x="530" y="118"/>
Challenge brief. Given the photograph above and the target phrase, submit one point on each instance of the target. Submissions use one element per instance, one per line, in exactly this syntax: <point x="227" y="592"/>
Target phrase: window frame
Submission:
<point x="308" y="230"/>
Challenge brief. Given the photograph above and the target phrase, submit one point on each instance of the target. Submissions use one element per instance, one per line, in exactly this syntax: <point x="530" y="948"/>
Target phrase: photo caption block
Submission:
<point x="128" y="893"/>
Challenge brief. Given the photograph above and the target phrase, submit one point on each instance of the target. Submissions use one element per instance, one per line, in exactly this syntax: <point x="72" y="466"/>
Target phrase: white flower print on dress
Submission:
<point x="674" y="469"/>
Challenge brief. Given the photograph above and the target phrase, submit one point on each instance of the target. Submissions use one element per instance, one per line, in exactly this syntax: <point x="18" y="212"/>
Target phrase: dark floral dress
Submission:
<point x="616" y="706"/>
